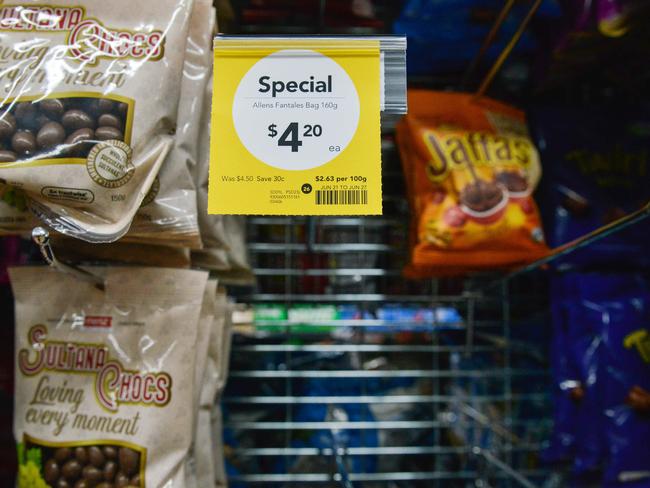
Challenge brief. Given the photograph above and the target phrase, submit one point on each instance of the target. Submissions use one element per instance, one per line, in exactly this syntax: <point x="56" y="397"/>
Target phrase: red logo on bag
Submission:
<point x="114" y="385"/>
<point x="103" y="322"/>
<point x="89" y="41"/>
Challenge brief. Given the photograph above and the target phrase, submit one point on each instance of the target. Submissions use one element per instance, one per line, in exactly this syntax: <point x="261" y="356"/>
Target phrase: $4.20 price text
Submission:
<point x="293" y="135"/>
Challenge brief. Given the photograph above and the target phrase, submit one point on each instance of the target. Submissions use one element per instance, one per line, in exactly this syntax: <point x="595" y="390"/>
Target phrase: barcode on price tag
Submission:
<point x="341" y="197"/>
<point x="295" y="127"/>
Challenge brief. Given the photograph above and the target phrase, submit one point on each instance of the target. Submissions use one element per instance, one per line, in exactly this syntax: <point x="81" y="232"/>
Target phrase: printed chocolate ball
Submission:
<point x="82" y="484"/>
<point x="104" y="484"/>
<point x="577" y="394"/>
<point x="77" y="119"/>
<point x="78" y="137"/>
<point x="62" y="483"/>
<point x="71" y="470"/>
<point x="7" y="125"/>
<point x="108" y="133"/>
<point x="639" y="399"/>
<point x="121" y="480"/>
<point x="122" y="109"/>
<point x="481" y="196"/>
<point x="129" y="461"/>
<point x="96" y="456"/>
<point x="109" y="120"/>
<point x="512" y="180"/>
<point x="26" y="115"/>
<point x="99" y="106"/>
<point x="62" y="454"/>
<point x="51" y="471"/>
<point x="92" y="475"/>
<point x="25" y="110"/>
<point x="75" y="102"/>
<point x="52" y="107"/>
<point x="23" y="142"/>
<point x="135" y="481"/>
<point x="51" y="134"/>
<point x="7" y="156"/>
<point x="81" y="454"/>
<point x="41" y="120"/>
<point x="110" y="470"/>
<point x="576" y="204"/>
<point x="110" y="452"/>
<point x="105" y="105"/>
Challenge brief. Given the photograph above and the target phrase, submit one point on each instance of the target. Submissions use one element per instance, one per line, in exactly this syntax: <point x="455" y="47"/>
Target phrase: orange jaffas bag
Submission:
<point x="470" y="169"/>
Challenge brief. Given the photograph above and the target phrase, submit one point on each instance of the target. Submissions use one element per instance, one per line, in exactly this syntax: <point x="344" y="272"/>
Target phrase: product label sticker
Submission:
<point x="295" y="127"/>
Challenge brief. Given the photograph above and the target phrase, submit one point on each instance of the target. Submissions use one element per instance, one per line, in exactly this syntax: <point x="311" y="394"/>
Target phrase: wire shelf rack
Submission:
<point x="369" y="401"/>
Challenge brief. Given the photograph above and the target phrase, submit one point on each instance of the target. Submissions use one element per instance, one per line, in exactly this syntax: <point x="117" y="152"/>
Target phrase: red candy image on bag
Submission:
<point x="470" y="171"/>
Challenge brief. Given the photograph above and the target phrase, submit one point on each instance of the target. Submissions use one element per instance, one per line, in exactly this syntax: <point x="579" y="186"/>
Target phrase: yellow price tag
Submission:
<point x="295" y="127"/>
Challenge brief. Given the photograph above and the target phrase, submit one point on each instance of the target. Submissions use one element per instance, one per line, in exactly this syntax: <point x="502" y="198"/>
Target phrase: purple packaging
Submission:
<point x="626" y="392"/>
<point x="601" y="372"/>
<point x="585" y="386"/>
<point x="596" y="170"/>
<point x="562" y="443"/>
<point x="612" y="17"/>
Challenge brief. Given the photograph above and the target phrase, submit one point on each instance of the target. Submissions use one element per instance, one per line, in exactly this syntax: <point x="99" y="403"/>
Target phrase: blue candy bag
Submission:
<point x="584" y="386"/>
<point x="561" y="447"/>
<point x="461" y="26"/>
<point x="578" y="367"/>
<point x="626" y="356"/>
<point x="596" y="170"/>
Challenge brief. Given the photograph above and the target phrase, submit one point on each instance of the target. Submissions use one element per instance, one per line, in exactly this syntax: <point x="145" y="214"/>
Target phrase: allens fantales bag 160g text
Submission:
<point x="89" y="98"/>
<point x="104" y="379"/>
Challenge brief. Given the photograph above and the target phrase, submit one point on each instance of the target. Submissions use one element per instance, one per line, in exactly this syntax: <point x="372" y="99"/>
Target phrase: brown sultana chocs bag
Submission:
<point x="88" y="107"/>
<point x="104" y="386"/>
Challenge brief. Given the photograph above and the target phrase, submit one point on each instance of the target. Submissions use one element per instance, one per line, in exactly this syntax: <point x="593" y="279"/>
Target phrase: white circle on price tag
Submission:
<point x="296" y="109"/>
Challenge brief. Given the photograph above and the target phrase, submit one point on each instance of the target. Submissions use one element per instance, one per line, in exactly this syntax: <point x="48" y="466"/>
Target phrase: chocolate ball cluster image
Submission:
<point x="59" y="127"/>
<point x="101" y="466"/>
<point x="483" y="196"/>
<point x="514" y="181"/>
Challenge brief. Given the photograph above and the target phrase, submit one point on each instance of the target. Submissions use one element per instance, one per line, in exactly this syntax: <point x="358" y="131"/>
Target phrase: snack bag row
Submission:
<point x="224" y="236"/>
<point x="157" y="203"/>
<point x="91" y="112"/>
<point x="168" y="214"/>
<point x="601" y="379"/>
<point x="596" y="164"/>
<point x="109" y="384"/>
